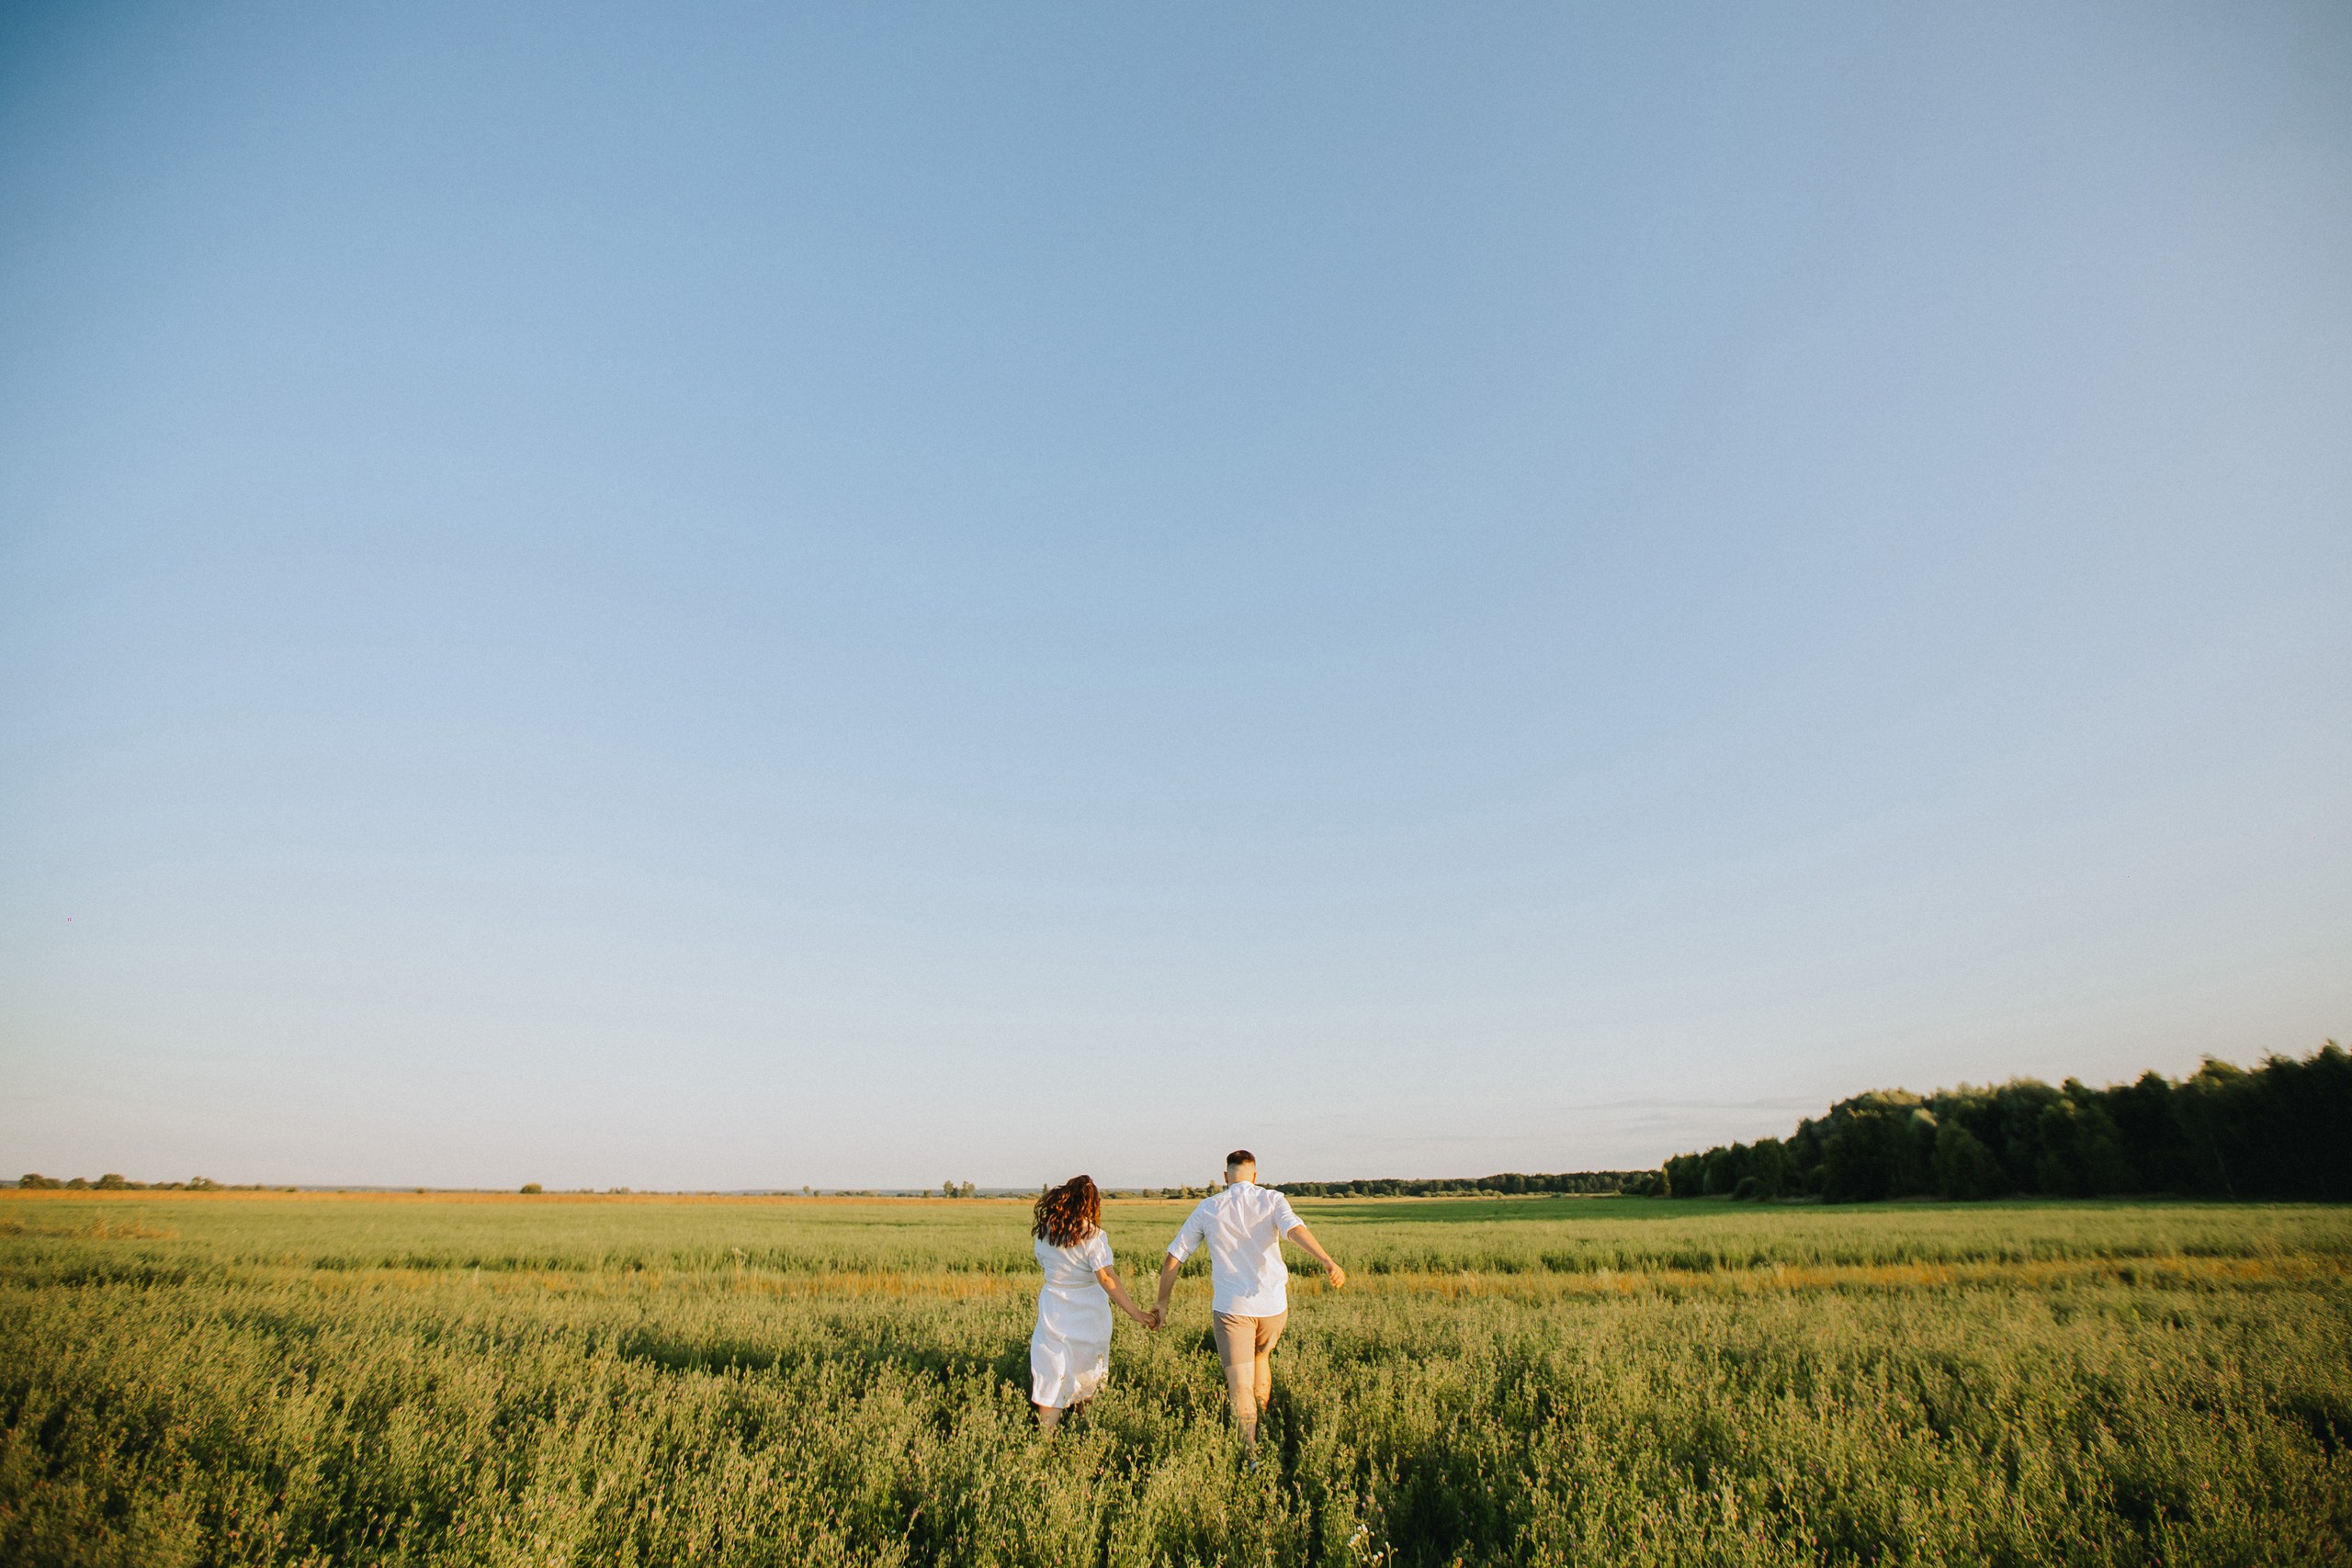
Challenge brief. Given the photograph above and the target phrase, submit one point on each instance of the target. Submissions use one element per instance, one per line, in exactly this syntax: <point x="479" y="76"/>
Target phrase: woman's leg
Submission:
<point x="1048" y="1419"/>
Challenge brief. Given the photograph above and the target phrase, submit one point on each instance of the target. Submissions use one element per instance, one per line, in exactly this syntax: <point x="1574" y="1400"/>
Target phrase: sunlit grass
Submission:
<point x="271" y="1379"/>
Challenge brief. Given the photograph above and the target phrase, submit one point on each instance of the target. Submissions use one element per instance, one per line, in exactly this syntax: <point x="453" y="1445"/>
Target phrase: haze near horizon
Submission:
<point x="720" y="599"/>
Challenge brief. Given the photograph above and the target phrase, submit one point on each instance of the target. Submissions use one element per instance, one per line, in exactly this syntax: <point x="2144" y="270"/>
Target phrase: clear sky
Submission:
<point x="860" y="595"/>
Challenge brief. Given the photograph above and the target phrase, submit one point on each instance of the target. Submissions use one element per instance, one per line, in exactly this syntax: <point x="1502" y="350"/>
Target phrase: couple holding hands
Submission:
<point x="1243" y="1225"/>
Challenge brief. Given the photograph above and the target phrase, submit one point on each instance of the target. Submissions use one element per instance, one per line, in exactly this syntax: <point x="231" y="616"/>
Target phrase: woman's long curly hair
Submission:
<point x="1068" y="1214"/>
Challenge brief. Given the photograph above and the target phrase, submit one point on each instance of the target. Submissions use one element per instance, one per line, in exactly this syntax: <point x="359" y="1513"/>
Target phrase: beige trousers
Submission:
<point x="1246" y="1346"/>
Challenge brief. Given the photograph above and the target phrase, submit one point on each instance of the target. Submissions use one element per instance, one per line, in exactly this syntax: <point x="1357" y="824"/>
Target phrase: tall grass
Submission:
<point x="211" y="1380"/>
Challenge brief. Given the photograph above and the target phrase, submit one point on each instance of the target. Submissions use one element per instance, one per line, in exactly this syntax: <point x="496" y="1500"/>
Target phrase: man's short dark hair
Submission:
<point x="1240" y="1157"/>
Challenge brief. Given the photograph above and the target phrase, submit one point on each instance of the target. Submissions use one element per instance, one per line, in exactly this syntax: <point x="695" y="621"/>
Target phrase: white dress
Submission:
<point x="1070" y="1355"/>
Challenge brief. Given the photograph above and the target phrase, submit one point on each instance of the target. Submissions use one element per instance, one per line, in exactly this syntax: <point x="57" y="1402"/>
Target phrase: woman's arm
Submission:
<point x="1116" y="1289"/>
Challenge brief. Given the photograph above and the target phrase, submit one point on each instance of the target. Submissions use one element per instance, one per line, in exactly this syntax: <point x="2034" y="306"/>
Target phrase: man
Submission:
<point x="1244" y="1227"/>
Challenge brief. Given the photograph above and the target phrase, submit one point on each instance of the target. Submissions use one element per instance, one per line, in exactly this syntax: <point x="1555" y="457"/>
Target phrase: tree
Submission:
<point x="2148" y="1118"/>
<point x="1964" y="1167"/>
<point x="531" y="1189"/>
<point x="1863" y="1157"/>
<point x="2283" y="1130"/>
<point x="2082" y="1154"/>
<point x="2021" y="1103"/>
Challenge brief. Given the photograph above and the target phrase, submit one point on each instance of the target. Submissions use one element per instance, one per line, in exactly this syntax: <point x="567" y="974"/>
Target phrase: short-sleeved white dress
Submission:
<point x="1070" y="1355"/>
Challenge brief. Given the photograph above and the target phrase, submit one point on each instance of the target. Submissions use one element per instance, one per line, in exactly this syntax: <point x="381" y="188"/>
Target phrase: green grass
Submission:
<point x="222" y="1378"/>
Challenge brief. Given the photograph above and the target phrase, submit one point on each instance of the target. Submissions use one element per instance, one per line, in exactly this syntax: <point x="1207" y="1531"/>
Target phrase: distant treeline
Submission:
<point x="2283" y="1130"/>
<point x="1575" y="1181"/>
<point x="32" y="1181"/>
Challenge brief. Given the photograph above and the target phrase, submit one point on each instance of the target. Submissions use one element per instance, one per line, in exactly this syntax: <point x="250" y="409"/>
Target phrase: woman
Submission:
<point x="1070" y="1354"/>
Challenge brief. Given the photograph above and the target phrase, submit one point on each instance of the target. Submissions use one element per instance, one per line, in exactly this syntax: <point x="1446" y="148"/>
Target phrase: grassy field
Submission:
<point x="232" y="1378"/>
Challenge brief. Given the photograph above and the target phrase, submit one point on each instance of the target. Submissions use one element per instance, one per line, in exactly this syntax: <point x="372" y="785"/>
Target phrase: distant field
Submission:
<point x="234" y="1378"/>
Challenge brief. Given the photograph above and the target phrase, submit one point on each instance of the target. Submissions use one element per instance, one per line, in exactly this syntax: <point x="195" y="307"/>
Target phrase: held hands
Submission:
<point x="1148" y="1319"/>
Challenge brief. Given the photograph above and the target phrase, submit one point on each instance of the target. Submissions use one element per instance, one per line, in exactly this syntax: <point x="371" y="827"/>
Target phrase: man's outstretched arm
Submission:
<point x="1169" y="1265"/>
<point x="1302" y="1237"/>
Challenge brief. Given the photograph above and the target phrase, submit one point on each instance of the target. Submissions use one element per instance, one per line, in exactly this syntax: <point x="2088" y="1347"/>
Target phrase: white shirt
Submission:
<point x="1244" y="1227"/>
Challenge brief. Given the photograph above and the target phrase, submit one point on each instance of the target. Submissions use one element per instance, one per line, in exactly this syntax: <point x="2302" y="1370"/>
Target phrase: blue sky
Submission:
<point x="701" y="597"/>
